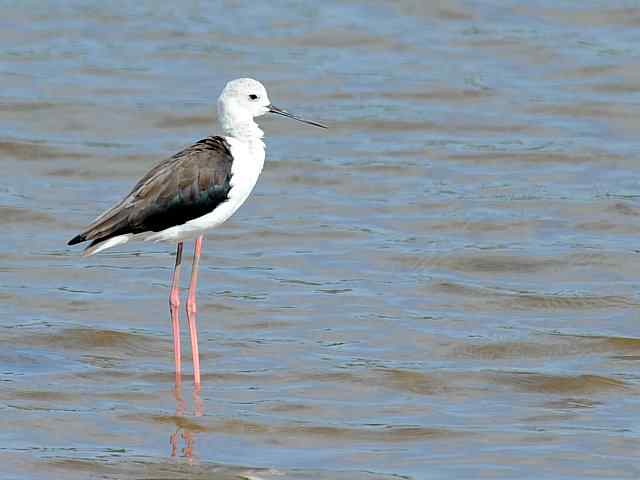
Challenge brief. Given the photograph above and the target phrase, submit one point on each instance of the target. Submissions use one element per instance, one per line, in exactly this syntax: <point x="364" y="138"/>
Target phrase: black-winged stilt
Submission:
<point x="195" y="190"/>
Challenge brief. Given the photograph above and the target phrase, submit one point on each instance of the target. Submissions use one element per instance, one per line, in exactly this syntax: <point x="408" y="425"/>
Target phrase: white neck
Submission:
<point x="246" y="131"/>
<point x="248" y="134"/>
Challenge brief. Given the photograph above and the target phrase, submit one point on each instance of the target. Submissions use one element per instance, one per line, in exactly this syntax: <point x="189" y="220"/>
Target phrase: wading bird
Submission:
<point x="195" y="190"/>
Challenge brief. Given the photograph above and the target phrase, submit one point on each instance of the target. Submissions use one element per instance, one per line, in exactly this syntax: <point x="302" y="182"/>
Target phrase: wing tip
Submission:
<point x="77" y="239"/>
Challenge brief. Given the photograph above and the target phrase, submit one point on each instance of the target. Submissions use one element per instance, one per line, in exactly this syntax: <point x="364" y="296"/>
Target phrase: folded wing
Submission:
<point x="188" y="185"/>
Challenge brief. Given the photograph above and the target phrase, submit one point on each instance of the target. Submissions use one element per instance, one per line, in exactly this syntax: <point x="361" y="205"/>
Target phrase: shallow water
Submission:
<point x="442" y="285"/>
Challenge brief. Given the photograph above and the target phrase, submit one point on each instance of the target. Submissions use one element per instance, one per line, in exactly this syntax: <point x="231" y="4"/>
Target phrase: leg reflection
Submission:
<point x="198" y="406"/>
<point x="183" y="430"/>
<point x="180" y="406"/>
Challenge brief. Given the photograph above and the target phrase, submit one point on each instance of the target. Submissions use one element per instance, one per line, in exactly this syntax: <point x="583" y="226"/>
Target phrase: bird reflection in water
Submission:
<point x="185" y="431"/>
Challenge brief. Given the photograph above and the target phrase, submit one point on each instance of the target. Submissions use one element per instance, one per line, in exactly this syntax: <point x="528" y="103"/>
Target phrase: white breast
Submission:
<point x="248" y="160"/>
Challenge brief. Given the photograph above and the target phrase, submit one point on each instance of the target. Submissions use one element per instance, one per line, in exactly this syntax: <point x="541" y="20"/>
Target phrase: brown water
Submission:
<point x="444" y="285"/>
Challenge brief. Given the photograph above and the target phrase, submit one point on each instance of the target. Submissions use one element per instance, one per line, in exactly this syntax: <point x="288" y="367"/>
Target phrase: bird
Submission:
<point x="195" y="190"/>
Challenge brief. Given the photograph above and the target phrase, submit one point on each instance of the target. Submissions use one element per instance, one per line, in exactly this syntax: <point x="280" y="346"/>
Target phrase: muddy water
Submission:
<point x="443" y="285"/>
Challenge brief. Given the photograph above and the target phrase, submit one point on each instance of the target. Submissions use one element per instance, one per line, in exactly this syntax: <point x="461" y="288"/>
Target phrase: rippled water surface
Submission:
<point x="445" y="284"/>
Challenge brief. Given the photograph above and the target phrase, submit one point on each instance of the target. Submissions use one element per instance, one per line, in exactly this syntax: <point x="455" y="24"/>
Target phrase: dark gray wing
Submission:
<point x="188" y="185"/>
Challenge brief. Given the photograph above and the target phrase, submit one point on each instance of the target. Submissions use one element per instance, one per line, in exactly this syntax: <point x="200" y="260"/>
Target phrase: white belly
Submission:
<point x="248" y="160"/>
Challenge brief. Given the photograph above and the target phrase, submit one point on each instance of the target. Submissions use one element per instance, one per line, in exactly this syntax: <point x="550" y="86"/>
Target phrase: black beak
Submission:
<point x="284" y="113"/>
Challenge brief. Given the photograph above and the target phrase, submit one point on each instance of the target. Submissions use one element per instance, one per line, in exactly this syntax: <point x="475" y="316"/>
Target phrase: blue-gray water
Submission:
<point x="443" y="285"/>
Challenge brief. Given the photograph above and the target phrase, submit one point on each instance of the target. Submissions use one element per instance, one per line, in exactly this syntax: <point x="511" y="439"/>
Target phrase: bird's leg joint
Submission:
<point x="191" y="305"/>
<point x="174" y="300"/>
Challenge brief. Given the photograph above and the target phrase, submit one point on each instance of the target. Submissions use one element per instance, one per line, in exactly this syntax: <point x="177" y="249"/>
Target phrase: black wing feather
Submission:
<point x="188" y="185"/>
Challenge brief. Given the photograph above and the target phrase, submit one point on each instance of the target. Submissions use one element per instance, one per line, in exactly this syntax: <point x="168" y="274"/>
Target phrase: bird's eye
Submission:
<point x="253" y="97"/>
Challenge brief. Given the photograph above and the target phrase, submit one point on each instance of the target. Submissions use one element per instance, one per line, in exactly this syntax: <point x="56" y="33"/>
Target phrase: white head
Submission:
<point x="241" y="101"/>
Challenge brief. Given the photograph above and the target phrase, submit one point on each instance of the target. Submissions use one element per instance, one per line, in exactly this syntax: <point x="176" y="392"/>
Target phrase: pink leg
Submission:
<point x="191" y="311"/>
<point x="174" y="306"/>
